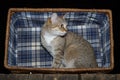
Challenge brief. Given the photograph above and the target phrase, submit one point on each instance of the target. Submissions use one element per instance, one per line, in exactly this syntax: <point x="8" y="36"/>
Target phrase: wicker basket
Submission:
<point x="23" y="52"/>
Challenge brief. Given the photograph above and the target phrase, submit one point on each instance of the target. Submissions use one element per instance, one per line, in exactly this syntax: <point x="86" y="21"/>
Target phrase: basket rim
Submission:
<point x="58" y="9"/>
<point x="12" y="10"/>
<point x="17" y="68"/>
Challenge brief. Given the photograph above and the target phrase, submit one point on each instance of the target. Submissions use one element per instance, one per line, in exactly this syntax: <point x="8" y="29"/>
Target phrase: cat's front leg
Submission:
<point x="57" y="60"/>
<point x="58" y="52"/>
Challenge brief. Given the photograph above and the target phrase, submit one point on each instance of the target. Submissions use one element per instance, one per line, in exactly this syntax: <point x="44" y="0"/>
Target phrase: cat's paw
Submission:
<point x="57" y="61"/>
<point x="62" y="66"/>
<point x="56" y="64"/>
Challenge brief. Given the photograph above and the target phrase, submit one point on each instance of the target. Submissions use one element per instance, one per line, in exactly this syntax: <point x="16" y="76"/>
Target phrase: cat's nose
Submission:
<point x="65" y="32"/>
<point x="65" y="29"/>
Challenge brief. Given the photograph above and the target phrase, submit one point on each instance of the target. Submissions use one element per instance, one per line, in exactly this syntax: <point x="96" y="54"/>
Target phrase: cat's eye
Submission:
<point x="61" y="25"/>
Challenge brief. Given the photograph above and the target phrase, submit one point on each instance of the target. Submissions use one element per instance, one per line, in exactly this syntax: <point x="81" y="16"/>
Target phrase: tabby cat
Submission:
<point x="68" y="49"/>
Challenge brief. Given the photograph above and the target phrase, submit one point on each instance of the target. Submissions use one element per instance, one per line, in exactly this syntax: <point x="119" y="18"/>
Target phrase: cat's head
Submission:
<point x="57" y="25"/>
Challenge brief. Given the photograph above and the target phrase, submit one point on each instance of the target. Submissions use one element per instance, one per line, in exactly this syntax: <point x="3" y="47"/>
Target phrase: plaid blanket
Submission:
<point x="25" y="45"/>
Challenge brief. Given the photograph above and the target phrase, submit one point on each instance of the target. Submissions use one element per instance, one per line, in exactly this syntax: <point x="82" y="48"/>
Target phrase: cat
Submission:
<point x="68" y="49"/>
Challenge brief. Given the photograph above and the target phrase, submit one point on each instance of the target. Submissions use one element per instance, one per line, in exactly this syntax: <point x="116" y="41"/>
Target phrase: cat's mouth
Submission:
<point x="63" y="34"/>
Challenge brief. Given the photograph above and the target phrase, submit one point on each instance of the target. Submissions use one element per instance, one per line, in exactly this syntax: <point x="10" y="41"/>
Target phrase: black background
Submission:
<point x="81" y="4"/>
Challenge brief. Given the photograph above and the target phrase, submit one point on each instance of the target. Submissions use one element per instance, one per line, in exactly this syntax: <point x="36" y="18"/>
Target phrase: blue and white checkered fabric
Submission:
<point x="24" y="41"/>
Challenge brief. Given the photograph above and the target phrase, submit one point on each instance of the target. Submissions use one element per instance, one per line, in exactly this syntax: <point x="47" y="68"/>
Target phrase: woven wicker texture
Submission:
<point x="24" y="46"/>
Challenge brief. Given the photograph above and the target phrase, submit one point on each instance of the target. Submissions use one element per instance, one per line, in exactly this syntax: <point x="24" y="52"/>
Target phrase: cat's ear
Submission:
<point x="49" y="21"/>
<point x="63" y="16"/>
<point x="53" y="17"/>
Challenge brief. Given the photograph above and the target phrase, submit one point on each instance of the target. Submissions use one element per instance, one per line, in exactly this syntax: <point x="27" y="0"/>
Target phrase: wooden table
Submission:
<point x="59" y="76"/>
